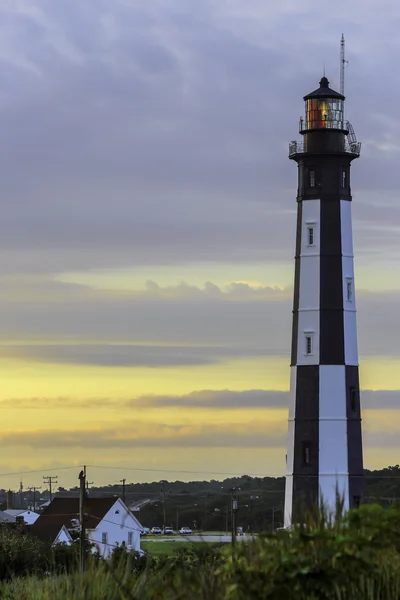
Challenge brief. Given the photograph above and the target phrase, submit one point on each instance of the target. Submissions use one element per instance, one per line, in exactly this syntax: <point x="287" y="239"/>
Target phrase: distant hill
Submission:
<point x="205" y="505"/>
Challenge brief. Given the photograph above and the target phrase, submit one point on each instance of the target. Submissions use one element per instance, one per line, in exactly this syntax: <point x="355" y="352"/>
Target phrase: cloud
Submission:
<point x="149" y="133"/>
<point x="217" y="399"/>
<point x="258" y="399"/>
<point x="105" y="288"/>
<point x="239" y="291"/>
<point x="251" y="433"/>
<point x="115" y="355"/>
<point x="155" y="134"/>
<point x="127" y="355"/>
<point x="142" y="434"/>
<point x="380" y="399"/>
<point x="202" y="399"/>
<point x="222" y="320"/>
<point x="246" y="400"/>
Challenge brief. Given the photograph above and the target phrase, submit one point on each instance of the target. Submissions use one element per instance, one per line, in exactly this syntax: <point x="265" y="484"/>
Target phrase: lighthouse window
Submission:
<point x="312" y="178"/>
<point x="353" y="398"/>
<point x="344" y="178"/>
<point x="309" y="344"/>
<point x="349" y="290"/>
<point x="306" y="453"/>
<point x="310" y="235"/>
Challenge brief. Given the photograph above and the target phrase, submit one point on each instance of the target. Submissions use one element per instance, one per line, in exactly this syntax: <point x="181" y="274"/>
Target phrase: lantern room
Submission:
<point x="324" y="109"/>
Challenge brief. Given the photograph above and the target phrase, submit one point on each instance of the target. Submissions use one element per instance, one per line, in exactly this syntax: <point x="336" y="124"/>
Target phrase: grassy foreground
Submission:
<point x="356" y="557"/>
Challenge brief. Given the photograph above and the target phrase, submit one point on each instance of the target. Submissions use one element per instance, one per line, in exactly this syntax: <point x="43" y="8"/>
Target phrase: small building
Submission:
<point x="48" y="530"/>
<point x="108" y="521"/>
<point x="28" y="516"/>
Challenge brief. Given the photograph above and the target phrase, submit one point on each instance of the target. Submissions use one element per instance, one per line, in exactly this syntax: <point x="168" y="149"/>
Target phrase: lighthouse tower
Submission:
<point x="324" y="454"/>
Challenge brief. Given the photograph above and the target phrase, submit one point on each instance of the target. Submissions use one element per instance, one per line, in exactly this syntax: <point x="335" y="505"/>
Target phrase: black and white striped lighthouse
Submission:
<point x="324" y="436"/>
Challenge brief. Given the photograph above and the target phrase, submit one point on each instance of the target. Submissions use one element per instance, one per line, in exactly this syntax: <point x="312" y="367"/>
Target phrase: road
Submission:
<point x="195" y="538"/>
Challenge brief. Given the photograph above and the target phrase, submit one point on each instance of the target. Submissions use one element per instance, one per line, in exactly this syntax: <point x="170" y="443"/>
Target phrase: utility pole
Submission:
<point x="87" y="486"/>
<point x="233" y="520"/>
<point x="21" y="487"/>
<point x="227" y="518"/>
<point x="177" y="518"/>
<point x="123" y="481"/>
<point x="234" y="507"/>
<point x="82" y="488"/>
<point x="33" y="489"/>
<point x="163" y="501"/>
<point x="50" y="479"/>
<point x="274" y="510"/>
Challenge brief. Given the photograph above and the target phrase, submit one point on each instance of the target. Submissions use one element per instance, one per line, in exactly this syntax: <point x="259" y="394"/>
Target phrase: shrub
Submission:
<point x="352" y="557"/>
<point x="20" y="554"/>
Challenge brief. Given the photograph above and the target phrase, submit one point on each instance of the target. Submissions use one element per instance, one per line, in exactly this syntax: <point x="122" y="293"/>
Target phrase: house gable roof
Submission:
<point x="63" y="510"/>
<point x="7" y="517"/>
<point x="15" y="512"/>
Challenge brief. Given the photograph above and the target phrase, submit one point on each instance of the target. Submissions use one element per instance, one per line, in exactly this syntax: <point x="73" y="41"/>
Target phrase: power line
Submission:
<point x="233" y="473"/>
<point x="152" y="470"/>
<point x="189" y="472"/>
<point x="122" y="525"/>
<point x="38" y="471"/>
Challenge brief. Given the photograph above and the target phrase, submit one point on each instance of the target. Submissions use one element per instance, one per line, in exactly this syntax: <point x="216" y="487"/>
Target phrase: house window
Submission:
<point x="306" y="453"/>
<point x="310" y="234"/>
<point x="353" y="398"/>
<point x="344" y="178"/>
<point x="349" y="290"/>
<point x="309" y="344"/>
<point x="357" y="501"/>
<point x="312" y="178"/>
<point x="130" y="538"/>
<point x="104" y="538"/>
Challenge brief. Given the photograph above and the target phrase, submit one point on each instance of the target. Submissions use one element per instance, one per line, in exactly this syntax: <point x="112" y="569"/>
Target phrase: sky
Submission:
<point x="147" y="230"/>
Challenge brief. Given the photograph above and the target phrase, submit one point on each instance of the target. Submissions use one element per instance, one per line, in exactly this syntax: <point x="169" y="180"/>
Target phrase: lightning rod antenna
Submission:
<point x="343" y="63"/>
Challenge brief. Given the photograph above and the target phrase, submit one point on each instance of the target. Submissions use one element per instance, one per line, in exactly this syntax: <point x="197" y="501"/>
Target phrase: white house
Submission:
<point x="29" y="516"/>
<point x="116" y="526"/>
<point x="108" y="521"/>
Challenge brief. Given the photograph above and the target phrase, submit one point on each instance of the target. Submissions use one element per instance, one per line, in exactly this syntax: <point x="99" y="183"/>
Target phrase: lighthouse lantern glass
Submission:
<point x="325" y="113"/>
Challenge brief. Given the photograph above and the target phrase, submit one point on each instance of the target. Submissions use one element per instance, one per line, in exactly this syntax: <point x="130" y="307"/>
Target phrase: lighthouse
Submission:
<point x="324" y="453"/>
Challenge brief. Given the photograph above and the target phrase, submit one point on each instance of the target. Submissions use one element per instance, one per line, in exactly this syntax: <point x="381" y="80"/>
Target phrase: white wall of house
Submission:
<point x="63" y="537"/>
<point x="118" y="525"/>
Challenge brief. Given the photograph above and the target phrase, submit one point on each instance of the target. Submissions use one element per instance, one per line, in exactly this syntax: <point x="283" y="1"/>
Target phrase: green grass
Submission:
<point x="161" y="548"/>
<point x="157" y="548"/>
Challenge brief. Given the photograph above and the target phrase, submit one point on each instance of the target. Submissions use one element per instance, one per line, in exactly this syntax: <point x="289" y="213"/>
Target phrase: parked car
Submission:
<point x="185" y="531"/>
<point x="168" y="531"/>
<point x="145" y="531"/>
<point x="156" y="530"/>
